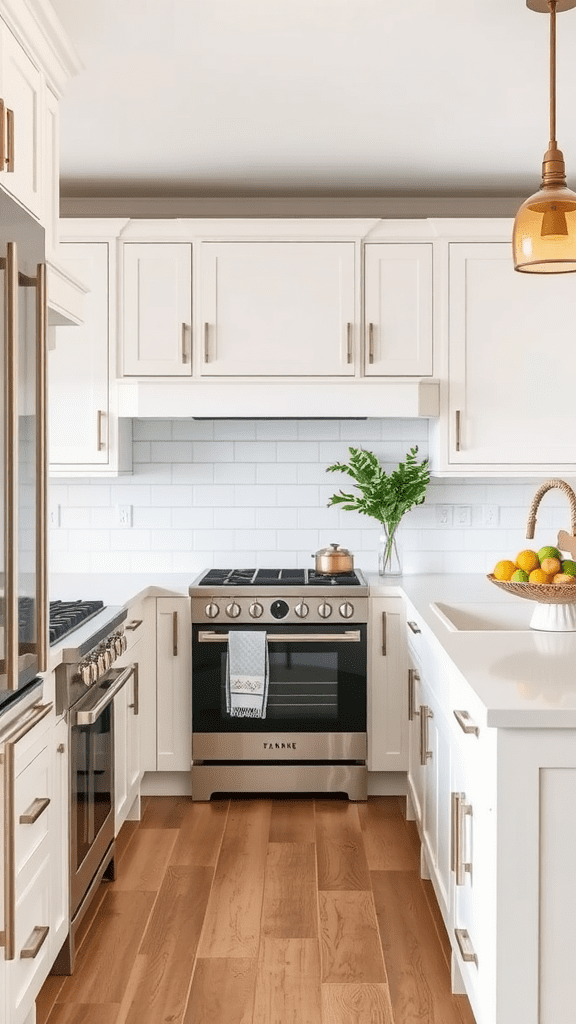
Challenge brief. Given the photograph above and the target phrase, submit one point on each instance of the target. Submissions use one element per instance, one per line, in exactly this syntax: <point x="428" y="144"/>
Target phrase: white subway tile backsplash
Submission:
<point x="152" y="430"/>
<point x="255" y="493"/>
<point x="171" y="451"/>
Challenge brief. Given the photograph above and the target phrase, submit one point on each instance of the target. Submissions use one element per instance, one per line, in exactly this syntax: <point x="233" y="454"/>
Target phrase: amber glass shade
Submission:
<point x="544" y="236"/>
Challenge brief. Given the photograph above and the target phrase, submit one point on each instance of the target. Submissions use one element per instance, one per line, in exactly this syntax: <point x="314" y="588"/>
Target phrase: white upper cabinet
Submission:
<point x="21" y="89"/>
<point x="398" y="309"/>
<point x="277" y="309"/>
<point x="512" y="362"/>
<point x="78" y="367"/>
<point x="157" y="309"/>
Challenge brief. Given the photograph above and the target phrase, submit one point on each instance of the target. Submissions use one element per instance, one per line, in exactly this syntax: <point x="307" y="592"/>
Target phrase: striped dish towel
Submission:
<point x="247" y="674"/>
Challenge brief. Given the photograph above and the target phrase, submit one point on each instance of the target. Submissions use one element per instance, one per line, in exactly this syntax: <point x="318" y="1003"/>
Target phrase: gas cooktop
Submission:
<point x="278" y="578"/>
<point x="66" y="616"/>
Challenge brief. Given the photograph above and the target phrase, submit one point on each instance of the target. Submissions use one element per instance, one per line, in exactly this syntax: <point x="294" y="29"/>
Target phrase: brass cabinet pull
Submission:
<point x="425" y="714"/>
<point x="458" y="430"/>
<point x="460" y="811"/>
<point x="136" y="703"/>
<point x="466" y="723"/>
<point x="414" y="627"/>
<point x="370" y="343"/>
<point x="348" y="343"/>
<point x="100" y="444"/>
<point x="10" y="139"/>
<point x="35" y="942"/>
<point x="175" y="634"/>
<point x="383" y="634"/>
<point x="41" y="468"/>
<point x="2" y="135"/>
<point x="465" y="946"/>
<point x="133" y="624"/>
<point x="35" y="810"/>
<point x="11" y="643"/>
<point x="206" y="343"/>
<point x="184" y="346"/>
<point x="413" y="675"/>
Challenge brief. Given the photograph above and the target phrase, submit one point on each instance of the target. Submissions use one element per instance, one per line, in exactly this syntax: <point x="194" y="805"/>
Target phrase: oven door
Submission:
<point x="317" y="680"/>
<point x="92" y="780"/>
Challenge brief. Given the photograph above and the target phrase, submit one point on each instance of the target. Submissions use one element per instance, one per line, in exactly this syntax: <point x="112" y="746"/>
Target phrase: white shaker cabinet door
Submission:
<point x="278" y="309"/>
<point x="512" y="362"/>
<point x="78" y="367"/>
<point x="21" y="88"/>
<point x="387" y="686"/>
<point x="174" y="684"/>
<point x="157" y="309"/>
<point x="398" y="309"/>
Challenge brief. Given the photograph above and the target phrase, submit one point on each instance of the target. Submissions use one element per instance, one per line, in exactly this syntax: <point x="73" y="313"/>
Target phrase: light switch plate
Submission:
<point x="444" y="515"/>
<point x="124" y="515"/>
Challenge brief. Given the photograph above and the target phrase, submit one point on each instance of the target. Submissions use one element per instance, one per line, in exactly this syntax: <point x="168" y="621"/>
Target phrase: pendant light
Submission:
<point x="544" y="237"/>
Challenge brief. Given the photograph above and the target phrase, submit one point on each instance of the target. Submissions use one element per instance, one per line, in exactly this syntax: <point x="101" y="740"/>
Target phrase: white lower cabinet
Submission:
<point x="59" y="828"/>
<point x="387" y="719"/>
<point x="174" y="684"/>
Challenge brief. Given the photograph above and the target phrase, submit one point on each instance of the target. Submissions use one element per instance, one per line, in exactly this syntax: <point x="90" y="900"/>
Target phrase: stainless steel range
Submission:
<point x="86" y="685"/>
<point x="313" y="735"/>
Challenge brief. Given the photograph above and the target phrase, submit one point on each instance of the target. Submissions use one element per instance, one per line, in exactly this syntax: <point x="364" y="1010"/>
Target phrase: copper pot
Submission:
<point x="333" y="559"/>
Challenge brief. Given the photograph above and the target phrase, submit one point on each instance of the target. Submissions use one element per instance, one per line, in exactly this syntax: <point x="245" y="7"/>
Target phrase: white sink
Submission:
<point x="489" y="616"/>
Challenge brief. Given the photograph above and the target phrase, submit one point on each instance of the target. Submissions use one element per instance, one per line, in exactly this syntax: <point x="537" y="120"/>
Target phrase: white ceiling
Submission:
<point x="300" y="97"/>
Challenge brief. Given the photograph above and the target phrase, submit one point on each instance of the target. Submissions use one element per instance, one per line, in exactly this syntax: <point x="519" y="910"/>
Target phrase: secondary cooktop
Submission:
<point x="278" y="578"/>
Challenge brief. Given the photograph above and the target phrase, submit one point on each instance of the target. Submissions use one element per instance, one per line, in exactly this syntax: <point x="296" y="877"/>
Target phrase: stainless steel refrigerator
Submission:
<point x="23" y="480"/>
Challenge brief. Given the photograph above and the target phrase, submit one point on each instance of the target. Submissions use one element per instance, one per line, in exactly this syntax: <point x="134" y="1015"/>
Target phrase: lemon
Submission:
<point x="504" y="570"/>
<point x="551" y="565"/>
<point x="569" y="567"/>
<point x="520" y="576"/>
<point x="539" y="576"/>
<point x="527" y="560"/>
<point x="563" y="578"/>
<point x="549" y="552"/>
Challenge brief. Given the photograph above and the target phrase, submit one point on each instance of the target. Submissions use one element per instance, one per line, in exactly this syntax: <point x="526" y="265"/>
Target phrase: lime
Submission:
<point x="549" y="552"/>
<point x="520" y="576"/>
<point x="569" y="567"/>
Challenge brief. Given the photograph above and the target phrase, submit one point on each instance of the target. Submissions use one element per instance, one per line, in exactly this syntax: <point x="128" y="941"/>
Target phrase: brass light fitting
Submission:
<point x="544" y="236"/>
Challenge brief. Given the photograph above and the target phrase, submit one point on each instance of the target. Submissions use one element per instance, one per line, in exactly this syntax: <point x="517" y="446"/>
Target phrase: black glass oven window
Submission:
<point x="314" y="686"/>
<point x="91" y="781"/>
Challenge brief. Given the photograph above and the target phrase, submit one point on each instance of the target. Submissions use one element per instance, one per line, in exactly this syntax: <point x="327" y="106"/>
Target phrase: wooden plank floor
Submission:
<point x="264" y="911"/>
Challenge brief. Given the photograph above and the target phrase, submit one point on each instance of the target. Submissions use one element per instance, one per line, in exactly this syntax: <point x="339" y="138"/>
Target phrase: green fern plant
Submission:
<point x="383" y="497"/>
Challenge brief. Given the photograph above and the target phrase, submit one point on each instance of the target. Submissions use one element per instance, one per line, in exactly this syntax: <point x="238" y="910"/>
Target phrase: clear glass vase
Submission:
<point x="389" y="560"/>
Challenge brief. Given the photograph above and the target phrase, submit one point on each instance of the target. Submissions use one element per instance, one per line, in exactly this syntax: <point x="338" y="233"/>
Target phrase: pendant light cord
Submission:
<point x="552" y="6"/>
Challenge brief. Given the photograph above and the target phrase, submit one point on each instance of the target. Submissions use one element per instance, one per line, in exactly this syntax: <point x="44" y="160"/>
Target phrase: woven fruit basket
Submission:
<point x="556" y="612"/>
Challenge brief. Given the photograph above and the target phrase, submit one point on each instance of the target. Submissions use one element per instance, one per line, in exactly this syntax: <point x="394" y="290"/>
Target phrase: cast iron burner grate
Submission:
<point x="275" y="578"/>
<point x="65" y="616"/>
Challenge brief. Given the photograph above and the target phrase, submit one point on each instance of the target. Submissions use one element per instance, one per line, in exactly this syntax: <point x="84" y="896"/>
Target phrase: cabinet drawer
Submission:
<point x="134" y="626"/>
<point x="32" y="792"/>
<point x="32" y="957"/>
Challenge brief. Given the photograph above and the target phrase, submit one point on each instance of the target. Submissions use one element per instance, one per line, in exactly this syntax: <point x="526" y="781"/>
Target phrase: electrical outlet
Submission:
<point x="491" y="514"/>
<point x="125" y="515"/>
<point x="444" y="515"/>
<point x="54" y="516"/>
<point x="463" y="515"/>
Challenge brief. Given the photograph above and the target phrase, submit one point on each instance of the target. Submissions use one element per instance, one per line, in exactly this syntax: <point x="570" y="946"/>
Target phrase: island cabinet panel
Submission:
<point x="157" y="309"/>
<point x="277" y="309"/>
<point x="398" y="309"/>
<point x="512" y="356"/>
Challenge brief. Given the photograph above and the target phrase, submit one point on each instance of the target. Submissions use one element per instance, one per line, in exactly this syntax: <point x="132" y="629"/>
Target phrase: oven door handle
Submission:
<point x="352" y="636"/>
<point x="91" y="714"/>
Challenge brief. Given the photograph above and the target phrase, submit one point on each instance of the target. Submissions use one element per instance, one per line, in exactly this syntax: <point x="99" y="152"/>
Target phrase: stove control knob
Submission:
<point x="346" y="610"/>
<point x="118" y="641"/>
<point x="233" y="610"/>
<point x="302" y="610"/>
<point x="85" y="673"/>
<point x="325" y="610"/>
<point x="111" y="648"/>
<point x="101" y="662"/>
<point x="94" y="670"/>
<point x="124" y="642"/>
<point x="256" y="609"/>
<point x="211" y="610"/>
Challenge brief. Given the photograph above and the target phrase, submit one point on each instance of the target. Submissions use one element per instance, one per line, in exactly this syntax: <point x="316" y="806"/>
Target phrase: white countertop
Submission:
<point x="524" y="678"/>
